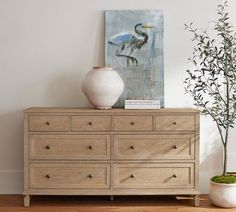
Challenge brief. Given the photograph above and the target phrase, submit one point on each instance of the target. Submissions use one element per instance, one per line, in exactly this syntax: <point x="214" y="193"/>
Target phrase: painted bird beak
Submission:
<point x="147" y="26"/>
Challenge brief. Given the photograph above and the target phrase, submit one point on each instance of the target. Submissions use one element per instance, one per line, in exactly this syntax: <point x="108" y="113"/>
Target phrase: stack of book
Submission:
<point x="142" y="104"/>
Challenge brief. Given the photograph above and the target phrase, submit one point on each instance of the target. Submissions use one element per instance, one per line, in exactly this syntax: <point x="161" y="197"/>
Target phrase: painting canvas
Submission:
<point x="134" y="48"/>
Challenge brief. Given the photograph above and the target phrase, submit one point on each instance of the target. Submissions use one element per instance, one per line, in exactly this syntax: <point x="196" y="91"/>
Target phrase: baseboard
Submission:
<point x="11" y="181"/>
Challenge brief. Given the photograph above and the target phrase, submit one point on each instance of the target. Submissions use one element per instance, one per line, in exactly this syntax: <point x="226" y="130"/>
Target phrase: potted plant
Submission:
<point x="212" y="84"/>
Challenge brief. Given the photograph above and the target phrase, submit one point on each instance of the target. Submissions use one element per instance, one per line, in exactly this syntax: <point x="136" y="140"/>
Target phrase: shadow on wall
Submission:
<point x="210" y="148"/>
<point x="98" y="48"/>
<point x="210" y="153"/>
<point x="65" y="90"/>
<point x="11" y="143"/>
<point x="61" y="89"/>
<point x="11" y="151"/>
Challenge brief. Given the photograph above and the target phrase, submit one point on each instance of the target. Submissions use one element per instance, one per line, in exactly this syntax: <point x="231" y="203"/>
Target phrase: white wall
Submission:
<point x="47" y="46"/>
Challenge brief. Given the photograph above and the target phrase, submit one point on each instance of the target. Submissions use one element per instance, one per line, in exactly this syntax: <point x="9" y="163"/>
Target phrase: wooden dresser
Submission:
<point x="72" y="151"/>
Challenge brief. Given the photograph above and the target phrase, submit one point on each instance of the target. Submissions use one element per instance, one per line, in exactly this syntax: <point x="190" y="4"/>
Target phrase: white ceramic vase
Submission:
<point x="223" y="195"/>
<point x="102" y="86"/>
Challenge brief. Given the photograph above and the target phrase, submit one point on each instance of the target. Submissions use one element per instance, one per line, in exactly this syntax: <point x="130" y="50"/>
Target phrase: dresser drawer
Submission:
<point x="91" y="123"/>
<point x="162" y="175"/>
<point x="175" y="123"/>
<point x="92" y="147"/>
<point x="49" y="123"/>
<point x="69" y="175"/>
<point x="151" y="147"/>
<point x="133" y="123"/>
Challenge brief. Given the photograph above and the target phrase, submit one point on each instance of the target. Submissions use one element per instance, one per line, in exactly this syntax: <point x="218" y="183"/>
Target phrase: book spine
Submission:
<point x="129" y="106"/>
<point x="142" y="101"/>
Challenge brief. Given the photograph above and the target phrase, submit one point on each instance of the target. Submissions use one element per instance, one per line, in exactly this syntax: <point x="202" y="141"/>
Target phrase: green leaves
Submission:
<point x="228" y="179"/>
<point x="212" y="81"/>
<point x="215" y="70"/>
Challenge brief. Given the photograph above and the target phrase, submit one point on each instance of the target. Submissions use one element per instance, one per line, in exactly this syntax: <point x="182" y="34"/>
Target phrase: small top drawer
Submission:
<point x="175" y="123"/>
<point x="91" y="123"/>
<point x="133" y="123"/>
<point x="49" y="123"/>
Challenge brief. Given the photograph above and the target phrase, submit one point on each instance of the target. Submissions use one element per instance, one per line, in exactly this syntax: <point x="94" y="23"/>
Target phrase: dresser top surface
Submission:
<point x="110" y="111"/>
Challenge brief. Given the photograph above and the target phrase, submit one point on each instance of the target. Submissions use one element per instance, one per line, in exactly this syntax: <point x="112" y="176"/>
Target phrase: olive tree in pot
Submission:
<point x="212" y="84"/>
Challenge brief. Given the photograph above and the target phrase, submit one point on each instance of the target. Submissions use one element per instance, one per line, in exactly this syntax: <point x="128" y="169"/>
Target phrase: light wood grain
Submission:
<point x="111" y="111"/>
<point x="26" y="200"/>
<point x="133" y="123"/>
<point x="113" y="191"/>
<point x="50" y="175"/>
<point x="83" y="147"/>
<point x="175" y="123"/>
<point x="26" y="152"/>
<point x="91" y="123"/>
<point x="71" y="144"/>
<point x="49" y="123"/>
<point x="158" y="175"/>
<point x="151" y="147"/>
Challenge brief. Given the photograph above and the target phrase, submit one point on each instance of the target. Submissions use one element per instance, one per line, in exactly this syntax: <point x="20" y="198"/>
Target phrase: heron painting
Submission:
<point x="131" y="41"/>
<point x="134" y="47"/>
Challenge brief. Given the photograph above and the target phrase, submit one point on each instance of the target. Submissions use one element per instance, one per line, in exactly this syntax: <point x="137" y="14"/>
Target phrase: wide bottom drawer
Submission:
<point x="63" y="175"/>
<point x="161" y="175"/>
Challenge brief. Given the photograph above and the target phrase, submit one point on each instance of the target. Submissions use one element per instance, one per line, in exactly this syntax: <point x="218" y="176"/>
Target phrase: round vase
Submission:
<point x="223" y="195"/>
<point x="102" y="86"/>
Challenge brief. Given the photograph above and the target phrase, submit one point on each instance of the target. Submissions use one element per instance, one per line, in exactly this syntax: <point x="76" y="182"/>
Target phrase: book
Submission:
<point x="142" y="106"/>
<point x="143" y="101"/>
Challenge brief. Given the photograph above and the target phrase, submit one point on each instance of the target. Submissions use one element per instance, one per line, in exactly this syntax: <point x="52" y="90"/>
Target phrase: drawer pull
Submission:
<point x="174" y="123"/>
<point x="48" y="123"/>
<point x="174" y="147"/>
<point x="132" y="147"/>
<point x="132" y="123"/>
<point x="90" y="123"/>
<point x="90" y="176"/>
<point x="48" y="147"/>
<point x="174" y="176"/>
<point x="131" y="176"/>
<point x="90" y="147"/>
<point x="48" y="176"/>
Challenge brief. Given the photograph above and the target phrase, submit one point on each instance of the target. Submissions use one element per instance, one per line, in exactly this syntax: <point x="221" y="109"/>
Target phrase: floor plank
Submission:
<point x="12" y="203"/>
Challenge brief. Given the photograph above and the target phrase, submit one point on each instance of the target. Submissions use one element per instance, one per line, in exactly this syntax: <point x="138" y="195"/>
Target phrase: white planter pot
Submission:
<point x="223" y="195"/>
<point x="102" y="86"/>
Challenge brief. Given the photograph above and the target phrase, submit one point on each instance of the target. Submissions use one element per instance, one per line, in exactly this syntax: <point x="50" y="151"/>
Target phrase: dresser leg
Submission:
<point x="196" y="200"/>
<point x="26" y="200"/>
<point x="111" y="198"/>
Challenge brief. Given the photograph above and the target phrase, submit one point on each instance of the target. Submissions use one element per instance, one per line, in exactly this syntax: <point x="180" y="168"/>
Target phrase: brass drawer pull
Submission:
<point x="174" y="176"/>
<point x="174" y="147"/>
<point x="90" y="123"/>
<point x="90" y="147"/>
<point x="48" y="176"/>
<point x="132" y="123"/>
<point x="131" y="176"/>
<point x="174" y="123"/>
<point x="48" y="147"/>
<point x="132" y="147"/>
<point x="90" y="176"/>
<point x="48" y="123"/>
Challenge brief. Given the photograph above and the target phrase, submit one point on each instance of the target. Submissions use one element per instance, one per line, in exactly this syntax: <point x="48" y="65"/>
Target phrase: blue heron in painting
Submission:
<point x="130" y="41"/>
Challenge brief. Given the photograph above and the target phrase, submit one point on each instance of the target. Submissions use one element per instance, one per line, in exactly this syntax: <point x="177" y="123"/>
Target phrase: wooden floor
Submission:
<point x="12" y="203"/>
